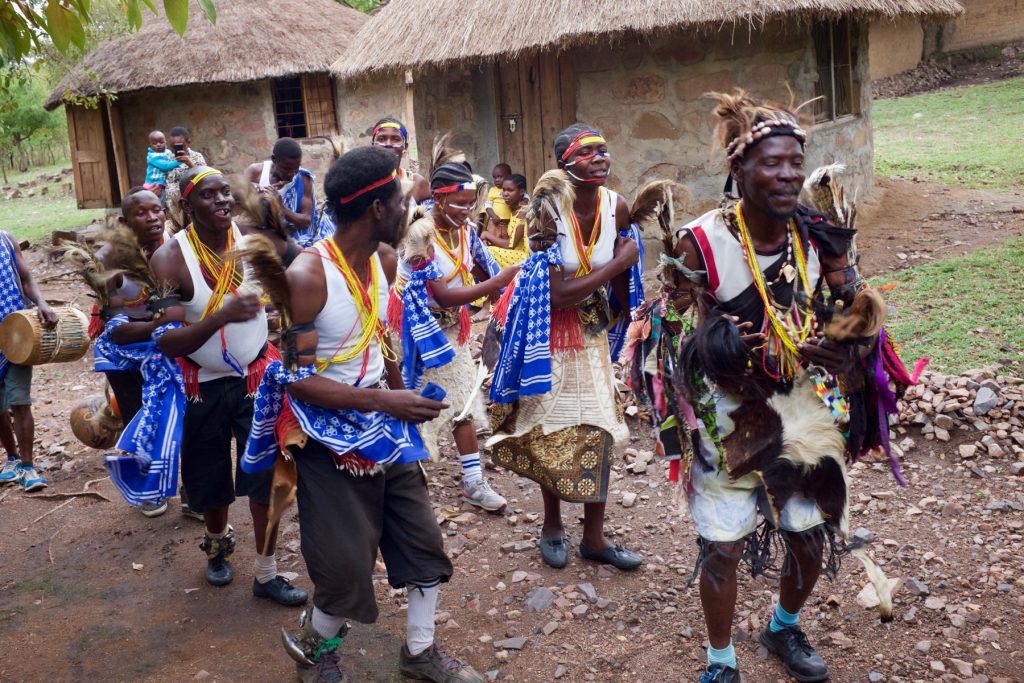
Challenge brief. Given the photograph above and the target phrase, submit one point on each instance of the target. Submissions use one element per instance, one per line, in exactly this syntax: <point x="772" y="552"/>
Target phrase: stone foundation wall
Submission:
<point x="647" y="100"/>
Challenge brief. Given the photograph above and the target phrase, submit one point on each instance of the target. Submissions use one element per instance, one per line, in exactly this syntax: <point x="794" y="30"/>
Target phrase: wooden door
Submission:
<point x="92" y="158"/>
<point x="536" y="101"/>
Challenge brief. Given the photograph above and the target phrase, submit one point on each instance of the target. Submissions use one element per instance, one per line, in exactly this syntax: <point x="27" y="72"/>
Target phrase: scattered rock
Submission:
<point x="628" y="499"/>
<point x="923" y="646"/>
<point x="511" y="643"/>
<point x="935" y="602"/>
<point x="539" y="599"/>
<point x="588" y="590"/>
<point x="864" y="535"/>
<point x="985" y="401"/>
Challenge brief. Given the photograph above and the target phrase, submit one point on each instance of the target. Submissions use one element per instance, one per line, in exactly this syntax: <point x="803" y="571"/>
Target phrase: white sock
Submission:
<point x="327" y="625"/>
<point x="471" y="472"/>
<point x="419" y="630"/>
<point x="266" y="568"/>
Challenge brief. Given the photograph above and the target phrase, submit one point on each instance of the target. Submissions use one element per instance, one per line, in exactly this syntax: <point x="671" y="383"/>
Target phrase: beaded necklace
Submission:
<point x="367" y="301"/>
<point x="794" y="326"/>
<point x="584" y="252"/>
<point x="224" y="277"/>
<point x="458" y="259"/>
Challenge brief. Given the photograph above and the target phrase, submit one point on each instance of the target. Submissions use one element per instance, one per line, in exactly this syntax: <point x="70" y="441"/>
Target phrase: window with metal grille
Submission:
<point x="835" y="53"/>
<point x="304" y="106"/>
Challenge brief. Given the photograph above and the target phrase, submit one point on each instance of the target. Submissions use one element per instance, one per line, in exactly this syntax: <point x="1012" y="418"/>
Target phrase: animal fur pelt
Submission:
<point x="263" y="209"/>
<point x="553" y="195"/>
<point x="783" y="434"/>
<point x="417" y="239"/>
<point x="267" y="269"/>
<point x="861" y="321"/>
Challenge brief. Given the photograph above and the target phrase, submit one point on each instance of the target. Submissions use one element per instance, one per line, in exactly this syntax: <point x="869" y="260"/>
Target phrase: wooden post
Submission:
<point x="412" y="151"/>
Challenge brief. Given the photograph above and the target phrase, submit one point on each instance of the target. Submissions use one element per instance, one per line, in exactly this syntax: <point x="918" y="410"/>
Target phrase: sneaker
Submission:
<point x="9" y="474"/>
<point x="433" y="664"/>
<point x="720" y="673"/>
<point x="281" y="591"/>
<point x="218" y="553"/>
<point x="29" y="479"/>
<point x="798" y="657"/>
<point x="186" y="511"/>
<point x="151" y="509"/>
<point x="316" y="658"/>
<point x="483" y="496"/>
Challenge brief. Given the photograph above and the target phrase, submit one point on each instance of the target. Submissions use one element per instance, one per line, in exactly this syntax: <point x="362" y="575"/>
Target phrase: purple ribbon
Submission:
<point x="886" y="402"/>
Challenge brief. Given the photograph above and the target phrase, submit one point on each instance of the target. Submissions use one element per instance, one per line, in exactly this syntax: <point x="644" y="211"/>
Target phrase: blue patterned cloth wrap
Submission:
<point x="424" y="344"/>
<point x="524" y="363"/>
<point x="152" y="440"/>
<point x="617" y="333"/>
<point x="11" y="298"/>
<point x="292" y="195"/>
<point x="376" y="436"/>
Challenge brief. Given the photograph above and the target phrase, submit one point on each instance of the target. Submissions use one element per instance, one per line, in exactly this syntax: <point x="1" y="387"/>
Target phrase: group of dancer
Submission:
<point x="753" y="387"/>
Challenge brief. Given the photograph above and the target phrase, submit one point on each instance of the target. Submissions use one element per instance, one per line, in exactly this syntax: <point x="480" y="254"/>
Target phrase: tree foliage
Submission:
<point x="27" y="26"/>
<point x="22" y="117"/>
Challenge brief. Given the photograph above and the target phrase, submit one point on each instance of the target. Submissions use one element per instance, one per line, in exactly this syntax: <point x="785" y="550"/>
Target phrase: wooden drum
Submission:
<point x="24" y="341"/>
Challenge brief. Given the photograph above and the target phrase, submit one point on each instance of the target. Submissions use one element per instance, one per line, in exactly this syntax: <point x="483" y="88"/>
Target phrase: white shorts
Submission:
<point x="724" y="511"/>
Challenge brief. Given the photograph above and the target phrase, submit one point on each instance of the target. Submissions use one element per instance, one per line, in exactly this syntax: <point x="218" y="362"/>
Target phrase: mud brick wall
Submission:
<point x="895" y="46"/>
<point x="985" y="22"/>
<point x="647" y="100"/>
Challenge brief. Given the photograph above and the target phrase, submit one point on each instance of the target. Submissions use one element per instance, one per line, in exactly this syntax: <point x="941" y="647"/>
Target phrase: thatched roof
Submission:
<point x="418" y="33"/>
<point x="252" y="39"/>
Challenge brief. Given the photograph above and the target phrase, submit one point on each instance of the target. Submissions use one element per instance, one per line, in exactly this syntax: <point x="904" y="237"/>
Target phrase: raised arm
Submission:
<point x="169" y="268"/>
<point x="568" y="290"/>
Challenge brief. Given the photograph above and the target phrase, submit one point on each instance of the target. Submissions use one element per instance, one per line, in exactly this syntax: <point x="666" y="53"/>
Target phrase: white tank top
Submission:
<point x="338" y="327"/>
<point x="446" y="264"/>
<point x="604" y="248"/>
<point x="244" y="340"/>
<point x="265" y="174"/>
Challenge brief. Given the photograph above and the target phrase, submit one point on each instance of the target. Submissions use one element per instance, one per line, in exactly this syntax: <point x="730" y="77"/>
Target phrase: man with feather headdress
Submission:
<point x="773" y="399"/>
<point x="336" y="415"/>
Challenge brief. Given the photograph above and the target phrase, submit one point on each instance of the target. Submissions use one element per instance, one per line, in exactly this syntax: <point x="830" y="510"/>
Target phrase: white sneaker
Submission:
<point x="9" y="474"/>
<point x="483" y="496"/>
<point x="151" y="509"/>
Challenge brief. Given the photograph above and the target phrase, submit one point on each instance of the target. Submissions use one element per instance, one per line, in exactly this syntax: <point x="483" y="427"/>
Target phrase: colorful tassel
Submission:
<point x="95" y="322"/>
<point x="395" y="310"/>
<point x="566" y="330"/>
<point x="465" y="325"/>
<point x="499" y="311"/>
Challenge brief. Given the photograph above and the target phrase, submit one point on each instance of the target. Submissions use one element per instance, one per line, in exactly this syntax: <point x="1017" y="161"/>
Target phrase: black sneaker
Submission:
<point x="798" y="657"/>
<point x="218" y="552"/>
<point x="281" y="591"/>
<point x="720" y="673"/>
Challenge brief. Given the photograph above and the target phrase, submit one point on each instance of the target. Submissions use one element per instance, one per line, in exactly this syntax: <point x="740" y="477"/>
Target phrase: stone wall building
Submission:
<point x="635" y="70"/>
<point x="899" y="45"/>
<point x="259" y="73"/>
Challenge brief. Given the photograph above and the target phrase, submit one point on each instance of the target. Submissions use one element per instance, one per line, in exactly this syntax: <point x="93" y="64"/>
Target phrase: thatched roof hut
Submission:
<point x="505" y="77"/>
<point x="252" y="40"/>
<point x="485" y="29"/>
<point x="259" y="73"/>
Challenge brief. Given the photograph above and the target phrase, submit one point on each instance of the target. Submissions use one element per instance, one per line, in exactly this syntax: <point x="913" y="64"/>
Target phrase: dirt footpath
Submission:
<point x="92" y="591"/>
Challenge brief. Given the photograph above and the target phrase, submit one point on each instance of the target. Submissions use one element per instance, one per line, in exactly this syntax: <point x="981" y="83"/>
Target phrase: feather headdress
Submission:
<point x="743" y="121"/>
<point x="553" y="195"/>
<point x="442" y="153"/>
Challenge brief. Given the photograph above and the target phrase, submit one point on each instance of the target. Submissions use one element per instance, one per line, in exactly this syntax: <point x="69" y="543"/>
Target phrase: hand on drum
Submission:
<point x="47" y="316"/>
<point x="240" y="308"/>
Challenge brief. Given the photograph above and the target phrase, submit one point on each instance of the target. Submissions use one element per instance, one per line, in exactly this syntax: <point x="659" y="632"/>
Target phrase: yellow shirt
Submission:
<point x="497" y="203"/>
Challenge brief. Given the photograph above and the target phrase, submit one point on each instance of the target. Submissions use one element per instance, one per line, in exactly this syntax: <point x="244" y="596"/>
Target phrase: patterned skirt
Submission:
<point x="565" y="440"/>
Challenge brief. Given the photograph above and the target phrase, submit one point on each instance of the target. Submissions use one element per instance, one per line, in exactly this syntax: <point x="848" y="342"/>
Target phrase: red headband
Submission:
<point x="369" y="188"/>
<point x="587" y="137"/>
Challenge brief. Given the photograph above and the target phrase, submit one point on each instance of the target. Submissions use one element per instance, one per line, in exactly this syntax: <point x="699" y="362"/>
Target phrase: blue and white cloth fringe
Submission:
<point x="424" y="344"/>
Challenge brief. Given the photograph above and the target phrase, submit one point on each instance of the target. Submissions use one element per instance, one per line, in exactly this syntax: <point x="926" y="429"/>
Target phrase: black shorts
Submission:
<point x="224" y="412"/>
<point x="127" y="388"/>
<point x="343" y="519"/>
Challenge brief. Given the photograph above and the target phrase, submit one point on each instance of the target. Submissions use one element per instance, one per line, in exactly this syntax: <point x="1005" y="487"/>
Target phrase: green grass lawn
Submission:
<point x="964" y="312"/>
<point x="971" y="136"/>
<point x="34" y="218"/>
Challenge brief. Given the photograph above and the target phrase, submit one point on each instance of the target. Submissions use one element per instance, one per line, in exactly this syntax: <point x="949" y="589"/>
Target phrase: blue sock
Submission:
<point x="726" y="656"/>
<point x="781" y="619"/>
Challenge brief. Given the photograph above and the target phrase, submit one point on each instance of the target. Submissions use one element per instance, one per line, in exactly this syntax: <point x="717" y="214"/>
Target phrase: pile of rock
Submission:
<point x="979" y="409"/>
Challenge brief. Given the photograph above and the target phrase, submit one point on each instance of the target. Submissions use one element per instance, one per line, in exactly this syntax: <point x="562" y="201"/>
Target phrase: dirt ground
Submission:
<point x="92" y="591"/>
